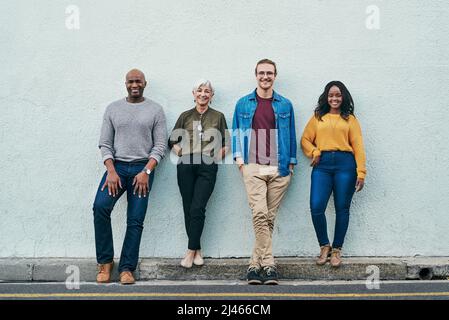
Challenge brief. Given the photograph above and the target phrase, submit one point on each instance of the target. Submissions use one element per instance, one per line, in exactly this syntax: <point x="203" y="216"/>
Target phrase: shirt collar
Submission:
<point x="195" y="111"/>
<point x="276" y="96"/>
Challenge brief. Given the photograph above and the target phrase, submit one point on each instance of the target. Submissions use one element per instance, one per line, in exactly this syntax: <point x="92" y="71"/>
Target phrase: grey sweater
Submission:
<point x="133" y="131"/>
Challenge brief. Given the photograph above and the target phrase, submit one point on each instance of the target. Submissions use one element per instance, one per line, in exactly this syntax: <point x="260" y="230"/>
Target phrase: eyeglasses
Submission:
<point x="263" y="73"/>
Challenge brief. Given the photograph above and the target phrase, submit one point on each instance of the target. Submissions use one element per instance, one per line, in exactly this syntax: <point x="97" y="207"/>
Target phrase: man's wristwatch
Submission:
<point x="146" y="170"/>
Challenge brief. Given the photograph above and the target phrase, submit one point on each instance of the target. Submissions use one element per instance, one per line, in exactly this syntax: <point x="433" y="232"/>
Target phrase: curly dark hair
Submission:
<point x="347" y="105"/>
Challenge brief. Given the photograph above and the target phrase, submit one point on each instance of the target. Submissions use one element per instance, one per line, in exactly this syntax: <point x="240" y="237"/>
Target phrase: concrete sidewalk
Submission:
<point x="294" y="268"/>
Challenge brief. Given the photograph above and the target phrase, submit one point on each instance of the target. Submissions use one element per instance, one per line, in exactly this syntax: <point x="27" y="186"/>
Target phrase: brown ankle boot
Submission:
<point x="104" y="272"/>
<point x="336" y="258"/>
<point x="324" y="255"/>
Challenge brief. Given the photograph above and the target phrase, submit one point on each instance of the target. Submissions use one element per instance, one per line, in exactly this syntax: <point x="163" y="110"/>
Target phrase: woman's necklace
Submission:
<point x="200" y="127"/>
<point x="200" y="124"/>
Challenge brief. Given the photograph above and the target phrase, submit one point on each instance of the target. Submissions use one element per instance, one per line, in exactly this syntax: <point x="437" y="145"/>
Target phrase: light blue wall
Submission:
<point x="55" y="84"/>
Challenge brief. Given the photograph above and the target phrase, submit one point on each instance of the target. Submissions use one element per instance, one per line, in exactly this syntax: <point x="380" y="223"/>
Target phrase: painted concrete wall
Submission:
<point x="57" y="81"/>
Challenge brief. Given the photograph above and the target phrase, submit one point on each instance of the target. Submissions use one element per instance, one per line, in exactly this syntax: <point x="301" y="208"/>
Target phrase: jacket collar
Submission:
<point x="276" y="96"/>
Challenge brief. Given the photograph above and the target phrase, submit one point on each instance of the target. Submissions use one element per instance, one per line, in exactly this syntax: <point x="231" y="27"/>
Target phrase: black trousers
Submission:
<point x="196" y="183"/>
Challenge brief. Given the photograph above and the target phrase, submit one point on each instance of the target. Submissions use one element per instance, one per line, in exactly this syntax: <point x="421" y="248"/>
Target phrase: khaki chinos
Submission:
<point x="265" y="189"/>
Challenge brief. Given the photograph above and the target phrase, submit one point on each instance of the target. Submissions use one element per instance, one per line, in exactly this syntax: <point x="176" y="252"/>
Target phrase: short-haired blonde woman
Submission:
<point x="199" y="137"/>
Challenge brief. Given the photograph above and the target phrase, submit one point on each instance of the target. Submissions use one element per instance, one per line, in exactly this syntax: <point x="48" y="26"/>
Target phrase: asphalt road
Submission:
<point x="223" y="290"/>
<point x="183" y="300"/>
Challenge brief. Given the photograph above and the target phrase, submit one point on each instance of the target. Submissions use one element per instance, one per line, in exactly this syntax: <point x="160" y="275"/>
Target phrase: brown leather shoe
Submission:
<point x="324" y="255"/>
<point x="336" y="258"/>
<point x="126" y="277"/>
<point x="104" y="272"/>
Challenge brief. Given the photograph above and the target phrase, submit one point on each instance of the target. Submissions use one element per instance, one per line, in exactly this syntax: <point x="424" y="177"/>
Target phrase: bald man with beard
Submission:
<point x="132" y="143"/>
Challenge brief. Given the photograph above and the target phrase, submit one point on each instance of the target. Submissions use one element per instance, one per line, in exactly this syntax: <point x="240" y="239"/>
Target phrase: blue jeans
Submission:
<point x="336" y="173"/>
<point x="137" y="208"/>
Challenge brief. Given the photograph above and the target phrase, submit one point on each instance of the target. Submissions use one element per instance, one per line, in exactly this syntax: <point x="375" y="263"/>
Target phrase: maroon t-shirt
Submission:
<point x="263" y="139"/>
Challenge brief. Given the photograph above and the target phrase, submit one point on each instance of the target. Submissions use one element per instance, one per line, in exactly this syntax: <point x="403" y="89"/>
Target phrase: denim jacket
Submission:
<point x="285" y="130"/>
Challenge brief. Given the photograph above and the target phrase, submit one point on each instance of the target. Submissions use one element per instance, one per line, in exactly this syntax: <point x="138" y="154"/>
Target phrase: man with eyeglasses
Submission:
<point x="132" y="143"/>
<point x="264" y="148"/>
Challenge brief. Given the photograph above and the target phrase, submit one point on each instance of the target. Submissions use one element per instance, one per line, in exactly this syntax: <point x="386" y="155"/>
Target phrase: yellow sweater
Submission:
<point x="335" y="134"/>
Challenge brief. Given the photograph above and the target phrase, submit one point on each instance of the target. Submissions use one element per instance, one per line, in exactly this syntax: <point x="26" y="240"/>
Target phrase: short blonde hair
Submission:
<point x="203" y="82"/>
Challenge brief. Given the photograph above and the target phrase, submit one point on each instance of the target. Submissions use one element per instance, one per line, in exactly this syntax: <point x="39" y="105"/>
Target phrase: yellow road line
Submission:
<point x="217" y="295"/>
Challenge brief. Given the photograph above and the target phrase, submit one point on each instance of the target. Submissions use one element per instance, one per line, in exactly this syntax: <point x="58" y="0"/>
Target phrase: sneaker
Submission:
<point x="270" y="275"/>
<point x="104" y="272"/>
<point x="253" y="276"/>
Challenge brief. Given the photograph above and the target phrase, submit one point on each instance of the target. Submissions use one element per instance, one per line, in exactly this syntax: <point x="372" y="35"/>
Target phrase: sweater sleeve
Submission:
<point x="356" y="141"/>
<point x="308" y="139"/>
<point x="106" y="143"/>
<point x="159" y="137"/>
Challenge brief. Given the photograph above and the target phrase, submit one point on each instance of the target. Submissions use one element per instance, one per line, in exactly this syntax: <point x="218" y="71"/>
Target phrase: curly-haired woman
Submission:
<point x="333" y="140"/>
